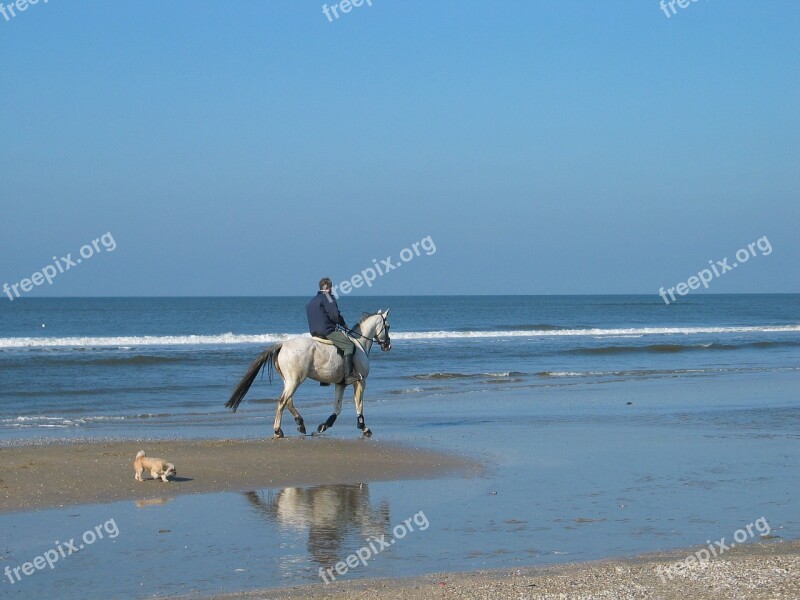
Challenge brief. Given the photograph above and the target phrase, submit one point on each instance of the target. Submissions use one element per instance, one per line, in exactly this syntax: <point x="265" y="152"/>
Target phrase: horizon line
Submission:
<point x="405" y="295"/>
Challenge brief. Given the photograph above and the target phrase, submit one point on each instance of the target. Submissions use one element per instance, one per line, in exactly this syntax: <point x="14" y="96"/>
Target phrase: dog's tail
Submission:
<point x="266" y="358"/>
<point x="140" y="454"/>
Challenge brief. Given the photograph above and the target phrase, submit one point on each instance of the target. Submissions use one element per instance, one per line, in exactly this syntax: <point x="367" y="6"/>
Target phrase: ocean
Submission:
<point x="141" y="368"/>
<point x="607" y="426"/>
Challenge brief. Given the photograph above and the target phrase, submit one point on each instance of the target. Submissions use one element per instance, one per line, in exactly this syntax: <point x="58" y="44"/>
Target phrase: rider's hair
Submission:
<point x="325" y="282"/>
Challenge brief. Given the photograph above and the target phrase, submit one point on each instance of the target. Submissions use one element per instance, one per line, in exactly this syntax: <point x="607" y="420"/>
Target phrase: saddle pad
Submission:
<point x="322" y="340"/>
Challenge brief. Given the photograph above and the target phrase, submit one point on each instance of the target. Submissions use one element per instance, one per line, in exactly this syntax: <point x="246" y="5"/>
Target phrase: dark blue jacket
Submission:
<point x="323" y="314"/>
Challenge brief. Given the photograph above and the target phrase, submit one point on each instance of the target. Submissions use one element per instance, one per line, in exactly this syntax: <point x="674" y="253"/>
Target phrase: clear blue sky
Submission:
<point x="248" y="148"/>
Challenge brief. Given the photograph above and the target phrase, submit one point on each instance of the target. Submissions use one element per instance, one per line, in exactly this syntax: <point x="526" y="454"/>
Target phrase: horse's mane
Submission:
<point x="364" y="317"/>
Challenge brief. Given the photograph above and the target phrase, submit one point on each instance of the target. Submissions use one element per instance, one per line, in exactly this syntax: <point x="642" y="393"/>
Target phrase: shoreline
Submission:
<point x="58" y="475"/>
<point x="769" y="569"/>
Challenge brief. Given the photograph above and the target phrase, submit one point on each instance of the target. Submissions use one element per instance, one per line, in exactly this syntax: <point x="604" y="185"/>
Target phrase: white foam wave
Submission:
<point x="270" y="338"/>
<point x="632" y="332"/>
<point x="573" y="373"/>
<point x="128" y="343"/>
<point x="44" y="421"/>
<point x="41" y="421"/>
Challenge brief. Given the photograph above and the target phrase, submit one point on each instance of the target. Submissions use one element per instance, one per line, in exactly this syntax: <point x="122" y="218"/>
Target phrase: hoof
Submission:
<point x="327" y="424"/>
<point x="301" y="426"/>
<point x="367" y="433"/>
<point x="279" y="433"/>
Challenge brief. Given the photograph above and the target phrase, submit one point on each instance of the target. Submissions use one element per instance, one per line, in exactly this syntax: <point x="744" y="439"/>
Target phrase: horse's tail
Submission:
<point x="266" y="358"/>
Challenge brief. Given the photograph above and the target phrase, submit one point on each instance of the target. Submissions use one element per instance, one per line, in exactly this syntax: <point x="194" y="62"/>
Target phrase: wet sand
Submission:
<point x="39" y="477"/>
<point x="752" y="571"/>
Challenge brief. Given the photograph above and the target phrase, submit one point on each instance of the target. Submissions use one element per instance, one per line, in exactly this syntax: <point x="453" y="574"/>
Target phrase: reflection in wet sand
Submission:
<point x="329" y="512"/>
<point x="153" y="502"/>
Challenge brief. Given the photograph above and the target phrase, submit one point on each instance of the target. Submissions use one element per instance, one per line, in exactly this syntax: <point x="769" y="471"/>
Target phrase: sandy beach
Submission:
<point x="39" y="477"/>
<point x="756" y="571"/>
<point x="555" y="467"/>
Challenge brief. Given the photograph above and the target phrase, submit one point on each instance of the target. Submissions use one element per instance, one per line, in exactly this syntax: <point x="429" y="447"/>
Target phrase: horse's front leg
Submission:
<point x="358" y="396"/>
<point x="337" y="408"/>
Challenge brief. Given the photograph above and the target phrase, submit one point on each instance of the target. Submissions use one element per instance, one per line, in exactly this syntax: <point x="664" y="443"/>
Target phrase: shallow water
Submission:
<point x="572" y="473"/>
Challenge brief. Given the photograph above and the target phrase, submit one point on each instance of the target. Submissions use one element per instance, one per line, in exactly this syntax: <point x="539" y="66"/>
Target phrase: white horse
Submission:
<point x="302" y="357"/>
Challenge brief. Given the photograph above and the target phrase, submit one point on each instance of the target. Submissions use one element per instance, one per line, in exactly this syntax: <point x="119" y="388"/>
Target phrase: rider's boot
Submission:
<point x="351" y="375"/>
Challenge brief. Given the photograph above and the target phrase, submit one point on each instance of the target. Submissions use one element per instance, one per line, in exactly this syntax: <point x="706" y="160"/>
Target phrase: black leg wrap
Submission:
<point x="327" y="424"/>
<point x="301" y="426"/>
<point x="360" y="422"/>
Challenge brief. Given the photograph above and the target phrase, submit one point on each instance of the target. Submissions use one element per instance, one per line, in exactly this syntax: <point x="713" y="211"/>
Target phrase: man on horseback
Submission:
<point x="323" y="317"/>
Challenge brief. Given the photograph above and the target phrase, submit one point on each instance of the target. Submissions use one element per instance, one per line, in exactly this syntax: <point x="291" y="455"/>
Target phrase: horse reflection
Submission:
<point x="330" y="512"/>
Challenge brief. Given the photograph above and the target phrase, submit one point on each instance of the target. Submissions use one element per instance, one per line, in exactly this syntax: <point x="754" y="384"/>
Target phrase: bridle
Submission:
<point x="385" y="343"/>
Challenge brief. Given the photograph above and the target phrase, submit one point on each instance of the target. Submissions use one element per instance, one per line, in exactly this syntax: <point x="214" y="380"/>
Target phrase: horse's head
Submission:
<point x="375" y="328"/>
<point x="382" y="330"/>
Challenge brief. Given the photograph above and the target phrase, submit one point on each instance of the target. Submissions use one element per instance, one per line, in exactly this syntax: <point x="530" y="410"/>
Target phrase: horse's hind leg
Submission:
<point x="337" y="408"/>
<point x="301" y="425"/>
<point x="289" y="388"/>
<point x="358" y="396"/>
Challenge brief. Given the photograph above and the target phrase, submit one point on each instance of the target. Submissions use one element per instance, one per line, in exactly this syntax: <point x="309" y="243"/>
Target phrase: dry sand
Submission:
<point x="763" y="571"/>
<point x="37" y="477"/>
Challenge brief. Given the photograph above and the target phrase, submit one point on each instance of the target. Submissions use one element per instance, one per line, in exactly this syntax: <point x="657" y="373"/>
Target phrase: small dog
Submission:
<point x="158" y="467"/>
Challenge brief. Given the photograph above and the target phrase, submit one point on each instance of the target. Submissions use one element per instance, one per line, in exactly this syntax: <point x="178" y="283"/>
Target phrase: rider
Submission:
<point x="323" y="317"/>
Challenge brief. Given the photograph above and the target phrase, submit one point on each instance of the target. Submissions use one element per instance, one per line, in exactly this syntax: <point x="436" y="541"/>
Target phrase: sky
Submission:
<point x="250" y="148"/>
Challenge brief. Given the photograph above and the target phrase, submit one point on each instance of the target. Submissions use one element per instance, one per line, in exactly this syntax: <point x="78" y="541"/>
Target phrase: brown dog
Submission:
<point x="158" y="467"/>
